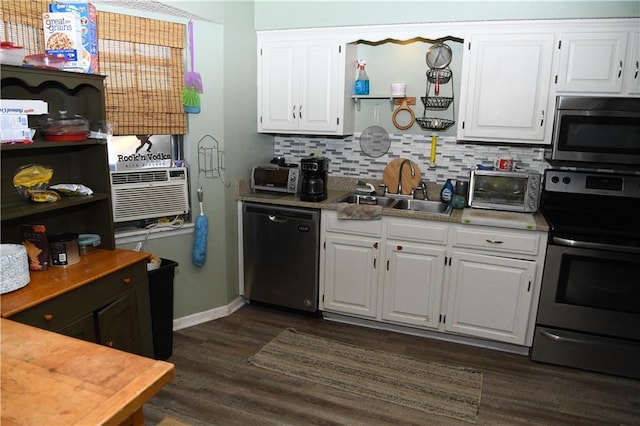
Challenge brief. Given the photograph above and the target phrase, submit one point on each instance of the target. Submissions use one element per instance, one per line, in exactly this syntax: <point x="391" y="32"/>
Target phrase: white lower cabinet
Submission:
<point x="412" y="286"/>
<point x="350" y="275"/>
<point x="490" y="296"/>
<point x="476" y="281"/>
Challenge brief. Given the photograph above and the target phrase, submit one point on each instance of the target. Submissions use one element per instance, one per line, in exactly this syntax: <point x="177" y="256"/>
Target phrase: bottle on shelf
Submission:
<point x="361" y="86"/>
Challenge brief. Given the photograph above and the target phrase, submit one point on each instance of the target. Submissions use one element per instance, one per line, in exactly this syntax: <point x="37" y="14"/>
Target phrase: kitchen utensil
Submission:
<point x="64" y="128"/>
<point x="192" y="81"/>
<point x="391" y="174"/>
<point x="374" y="140"/>
<point x="404" y="106"/>
<point x="45" y="61"/>
<point x="199" y="253"/>
<point x="439" y="56"/>
<point x="11" y="54"/>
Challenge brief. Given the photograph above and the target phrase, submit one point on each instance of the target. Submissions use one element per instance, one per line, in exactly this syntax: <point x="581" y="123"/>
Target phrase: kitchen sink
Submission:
<point x="436" y="207"/>
<point x="365" y="199"/>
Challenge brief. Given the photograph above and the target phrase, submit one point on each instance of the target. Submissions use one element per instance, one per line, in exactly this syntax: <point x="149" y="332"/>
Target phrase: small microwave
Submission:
<point x="276" y="178"/>
<point x="595" y="131"/>
<point x="502" y="190"/>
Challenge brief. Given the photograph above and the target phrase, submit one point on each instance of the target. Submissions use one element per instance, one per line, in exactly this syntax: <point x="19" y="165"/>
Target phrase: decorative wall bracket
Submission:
<point x="210" y="158"/>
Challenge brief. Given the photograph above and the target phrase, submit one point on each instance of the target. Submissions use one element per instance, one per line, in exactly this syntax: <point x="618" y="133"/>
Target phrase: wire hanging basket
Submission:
<point x="437" y="76"/>
<point x="436" y="103"/>
<point x="434" y="123"/>
<point x="441" y="75"/>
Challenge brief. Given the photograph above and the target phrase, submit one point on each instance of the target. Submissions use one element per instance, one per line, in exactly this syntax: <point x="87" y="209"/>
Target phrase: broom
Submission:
<point x="199" y="253"/>
<point x="192" y="82"/>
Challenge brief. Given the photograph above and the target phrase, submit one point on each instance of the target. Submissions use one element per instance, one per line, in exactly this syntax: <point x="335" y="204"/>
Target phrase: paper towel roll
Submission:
<point x="14" y="267"/>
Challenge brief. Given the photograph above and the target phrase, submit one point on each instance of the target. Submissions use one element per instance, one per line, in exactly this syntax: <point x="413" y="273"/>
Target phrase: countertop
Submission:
<point x="46" y="285"/>
<point x="51" y="379"/>
<point x="340" y="186"/>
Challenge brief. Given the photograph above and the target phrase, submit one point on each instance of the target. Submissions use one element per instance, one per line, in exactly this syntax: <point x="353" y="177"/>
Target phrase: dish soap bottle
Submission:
<point x="447" y="192"/>
<point x="361" y="86"/>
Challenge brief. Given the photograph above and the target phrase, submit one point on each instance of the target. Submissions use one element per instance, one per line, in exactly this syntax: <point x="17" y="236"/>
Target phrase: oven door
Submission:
<point x="592" y="288"/>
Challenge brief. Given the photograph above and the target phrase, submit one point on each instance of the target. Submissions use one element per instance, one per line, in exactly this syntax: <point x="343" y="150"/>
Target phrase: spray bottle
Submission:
<point x="361" y="86"/>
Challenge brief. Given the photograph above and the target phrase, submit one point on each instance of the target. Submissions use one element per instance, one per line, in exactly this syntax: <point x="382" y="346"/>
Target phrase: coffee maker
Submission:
<point x="314" y="178"/>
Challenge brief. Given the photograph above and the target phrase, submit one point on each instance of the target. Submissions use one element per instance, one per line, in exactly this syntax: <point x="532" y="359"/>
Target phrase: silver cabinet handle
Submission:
<point x="494" y="241"/>
<point x="637" y="66"/>
<point x="277" y="219"/>
<point x="293" y="112"/>
<point x="300" y="112"/>
<point x="620" y="70"/>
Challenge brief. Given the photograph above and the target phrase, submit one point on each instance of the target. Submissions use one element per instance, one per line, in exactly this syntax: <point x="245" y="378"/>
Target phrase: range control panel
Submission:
<point x="592" y="183"/>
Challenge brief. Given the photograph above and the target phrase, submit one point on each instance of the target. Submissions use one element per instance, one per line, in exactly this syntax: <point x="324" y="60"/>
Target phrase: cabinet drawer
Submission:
<point x="417" y="230"/>
<point x="506" y="241"/>
<point x="371" y="228"/>
<point x="58" y="312"/>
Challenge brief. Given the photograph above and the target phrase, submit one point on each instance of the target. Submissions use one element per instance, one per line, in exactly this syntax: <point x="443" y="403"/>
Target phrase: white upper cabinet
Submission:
<point x="301" y="87"/>
<point x="505" y="88"/>
<point x="592" y="61"/>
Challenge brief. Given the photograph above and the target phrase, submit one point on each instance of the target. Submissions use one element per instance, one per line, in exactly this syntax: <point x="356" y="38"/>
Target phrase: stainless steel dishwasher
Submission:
<point x="281" y="255"/>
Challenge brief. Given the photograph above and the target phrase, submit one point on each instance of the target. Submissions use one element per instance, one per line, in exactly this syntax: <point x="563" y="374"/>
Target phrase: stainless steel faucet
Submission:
<point x="413" y="173"/>
<point x="422" y="187"/>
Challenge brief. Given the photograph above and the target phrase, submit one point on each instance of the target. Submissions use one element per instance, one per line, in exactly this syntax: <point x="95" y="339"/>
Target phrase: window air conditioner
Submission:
<point x="149" y="193"/>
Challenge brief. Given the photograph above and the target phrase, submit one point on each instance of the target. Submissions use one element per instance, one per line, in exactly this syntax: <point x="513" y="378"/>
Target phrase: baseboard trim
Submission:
<point x="471" y="341"/>
<point x="205" y="316"/>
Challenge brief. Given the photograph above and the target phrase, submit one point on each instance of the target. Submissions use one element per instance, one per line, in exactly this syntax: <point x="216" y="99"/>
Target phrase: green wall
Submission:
<point x="304" y="13"/>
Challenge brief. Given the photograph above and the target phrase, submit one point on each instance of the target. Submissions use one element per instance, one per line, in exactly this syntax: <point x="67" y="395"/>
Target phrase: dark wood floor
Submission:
<point x="215" y="385"/>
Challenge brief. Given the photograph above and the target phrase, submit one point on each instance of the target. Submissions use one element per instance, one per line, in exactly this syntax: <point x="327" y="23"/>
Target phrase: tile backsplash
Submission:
<point x="453" y="160"/>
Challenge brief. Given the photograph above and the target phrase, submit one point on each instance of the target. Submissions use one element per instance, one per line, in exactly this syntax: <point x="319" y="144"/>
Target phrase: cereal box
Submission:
<point x="62" y="38"/>
<point x="88" y="28"/>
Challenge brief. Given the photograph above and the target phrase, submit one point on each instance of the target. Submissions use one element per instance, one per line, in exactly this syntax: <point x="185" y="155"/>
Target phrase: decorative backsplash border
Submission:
<point x="453" y="160"/>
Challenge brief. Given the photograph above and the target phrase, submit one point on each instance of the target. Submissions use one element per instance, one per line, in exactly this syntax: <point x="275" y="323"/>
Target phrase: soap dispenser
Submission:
<point x="447" y="192"/>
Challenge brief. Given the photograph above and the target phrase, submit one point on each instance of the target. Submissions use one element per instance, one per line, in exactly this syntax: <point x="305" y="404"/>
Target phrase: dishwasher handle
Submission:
<point x="278" y="219"/>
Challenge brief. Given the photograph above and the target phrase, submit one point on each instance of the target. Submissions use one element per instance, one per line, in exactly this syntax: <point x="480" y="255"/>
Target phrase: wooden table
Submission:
<point x="48" y="379"/>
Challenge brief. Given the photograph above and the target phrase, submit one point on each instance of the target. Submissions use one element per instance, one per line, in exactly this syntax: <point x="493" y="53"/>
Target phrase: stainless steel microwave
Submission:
<point x="501" y="190"/>
<point x="596" y="130"/>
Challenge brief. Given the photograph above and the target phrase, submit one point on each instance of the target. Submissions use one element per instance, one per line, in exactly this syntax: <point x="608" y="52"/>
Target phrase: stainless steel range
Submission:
<point x="589" y="312"/>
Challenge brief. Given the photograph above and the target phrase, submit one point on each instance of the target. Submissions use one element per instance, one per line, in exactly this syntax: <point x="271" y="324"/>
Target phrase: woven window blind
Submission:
<point x="141" y="58"/>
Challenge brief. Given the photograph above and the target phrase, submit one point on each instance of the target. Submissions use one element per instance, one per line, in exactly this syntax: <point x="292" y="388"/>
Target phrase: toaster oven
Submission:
<point x="502" y="190"/>
<point x="276" y="178"/>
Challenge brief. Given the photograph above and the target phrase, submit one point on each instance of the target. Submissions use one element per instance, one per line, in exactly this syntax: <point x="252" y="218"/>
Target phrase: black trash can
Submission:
<point x="161" y="300"/>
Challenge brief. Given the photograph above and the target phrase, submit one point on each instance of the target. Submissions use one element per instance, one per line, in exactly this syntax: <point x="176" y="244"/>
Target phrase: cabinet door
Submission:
<point x="350" y="275"/>
<point x="118" y="325"/>
<point x="298" y="88"/>
<point x="490" y="297"/>
<point x="278" y="86"/>
<point x="318" y="86"/>
<point x="83" y="328"/>
<point x="632" y="68"/>
<point x="505" y="88"/>
<point x="413" y="280"/>
<point x="592" y="62"/>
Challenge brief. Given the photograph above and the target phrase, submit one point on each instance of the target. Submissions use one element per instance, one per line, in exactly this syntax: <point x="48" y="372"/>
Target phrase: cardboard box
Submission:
<point x="14" y="121"/>
<point x="23" y="106"/>
<point x="63" y="38"/>
<point x="88" y="29"/>
<point x="15" y="135"/>
<point x="34" y="238"/>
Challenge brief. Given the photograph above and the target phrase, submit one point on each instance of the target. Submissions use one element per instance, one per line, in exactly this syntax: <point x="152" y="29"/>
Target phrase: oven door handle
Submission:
<point x="588" y="244"/>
